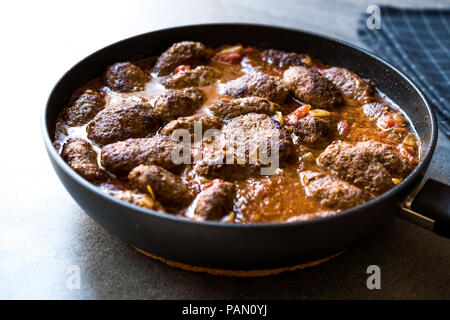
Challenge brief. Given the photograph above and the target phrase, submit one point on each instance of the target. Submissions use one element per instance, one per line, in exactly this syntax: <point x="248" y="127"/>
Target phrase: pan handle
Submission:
<point x="429" y="207"/>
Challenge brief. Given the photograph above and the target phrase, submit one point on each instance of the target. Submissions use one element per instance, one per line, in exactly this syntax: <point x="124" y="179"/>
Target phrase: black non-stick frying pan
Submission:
<point x="253" y="246"/>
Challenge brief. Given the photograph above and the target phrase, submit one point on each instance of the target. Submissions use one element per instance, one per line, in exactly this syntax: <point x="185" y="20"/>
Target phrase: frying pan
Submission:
<point x="219" y="246"/>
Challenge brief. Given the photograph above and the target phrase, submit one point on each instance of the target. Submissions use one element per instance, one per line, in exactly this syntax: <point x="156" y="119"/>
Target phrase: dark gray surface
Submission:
<point x="44" y="232"/>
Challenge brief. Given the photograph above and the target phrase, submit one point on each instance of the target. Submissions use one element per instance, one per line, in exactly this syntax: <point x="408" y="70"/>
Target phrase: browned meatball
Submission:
<point x="80" y="155"/>
<point x="131" y="118"/>
<point x="354" y="89"/>
<point x="284" y="59"/>
<point x="139" y="199"/>
<point x="215" y="201"/>
<point x="369" y="165"/>
<point x="166" y="186"/>
<point x="88" y="104"/>
<point x="227" y="109"/>
<point x="125" y="77"/>
<point x="121" y="157"/>
<point x="257" y="84"/>
<point x="186" y="52"/>
<point x="252" y="131"/>
<point x="331" y="191"/>
<point x="309" y="86"/>
<point x="313" y="131"/>
<point x="383" y="115"/>
<point x="216" y="167"/>
<point x="188" y="123"/>
<point x="387" y="155"/>
<point x="246" y="139"/>
<point x="200" y="76"/>
<point x="178" y="103"/>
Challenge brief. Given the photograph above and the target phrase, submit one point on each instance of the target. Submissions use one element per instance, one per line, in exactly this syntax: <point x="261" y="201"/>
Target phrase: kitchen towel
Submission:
<point x="417" y="41"/>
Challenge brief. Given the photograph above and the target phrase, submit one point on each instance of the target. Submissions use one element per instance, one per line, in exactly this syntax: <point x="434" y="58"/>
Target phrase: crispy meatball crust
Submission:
<point x="125" y="77"/>
<point x="215" y="201"/>
<point x="369" y="165"/>
<point x="244" y="138"/>
<point x="314" y="131"/>
<point x="257" y="84"/>
<point x="283" y="59"/>
<point x="231" y="108"/>
<point x="176" y="103"/>
<point x="88" y="104"/>
<point x="255" y="130"/>
<point x="139" y="199"/>
<point x="309" y="86"/>
<point x="80" y="155"/>
<point x="355" y="90"/>
<point x="121" y="157"/>
<point x="186" y="52"/>
<point x="167" y="187"/>
<point x="331" y="191"/>
<point x="131" y="118"/>
<point x="188" y="123"/>
<point x="198" y="77"/>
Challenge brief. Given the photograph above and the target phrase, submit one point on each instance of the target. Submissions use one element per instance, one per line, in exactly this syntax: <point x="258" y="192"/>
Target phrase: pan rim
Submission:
<point x="55" y="156"/>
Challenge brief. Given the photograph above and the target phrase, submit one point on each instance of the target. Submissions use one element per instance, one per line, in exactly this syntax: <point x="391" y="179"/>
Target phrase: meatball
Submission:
<point x="313" y="131"/>
<point x="250" y="142"/>
<point x="178" y="103"/>
<point x="130" y="118"/>
<point x="188" y="123"/>
<point x="388" y="156"/>
<point x="166" y="186"/>
<point x="125" y="77"/>
<point x="369" y="165"/>
<point x="383" y="114"/>
<point x="139" y="199"/>
<point x="121" y="157"/>
<point x="309" y="86"/>
<point x="256" y="84"/>
<point x="186" y="52"/>
<point x="200" y="76"/>
<point x="331" y="191"/>
<point x="88" y="104"/>
<point x="215" y="201"/>
<point x="226" y="109"/>
<point x="80" y="155"/>
<point x="216" y="166"/>
<point x="248" y="133"/>
<point x="285" y="59"/>
<point x="354" y="89"/>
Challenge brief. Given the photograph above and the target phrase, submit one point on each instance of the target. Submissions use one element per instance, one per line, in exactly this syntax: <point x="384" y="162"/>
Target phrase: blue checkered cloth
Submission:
<point x="417" y="41"/>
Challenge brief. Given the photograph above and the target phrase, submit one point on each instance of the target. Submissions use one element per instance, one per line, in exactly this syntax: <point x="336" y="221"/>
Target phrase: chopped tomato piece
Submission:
<point x="408" y="152"/>
<point x="182" y="69"/>
<point x="230" y="58"/>
<point x="296" y="115"/>
<point x="404" y="147"/>
<point x="388" y="122"/>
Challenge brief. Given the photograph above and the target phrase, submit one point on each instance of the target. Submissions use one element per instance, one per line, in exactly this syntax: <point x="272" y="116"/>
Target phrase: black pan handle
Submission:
<point x="429" y="207"/>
